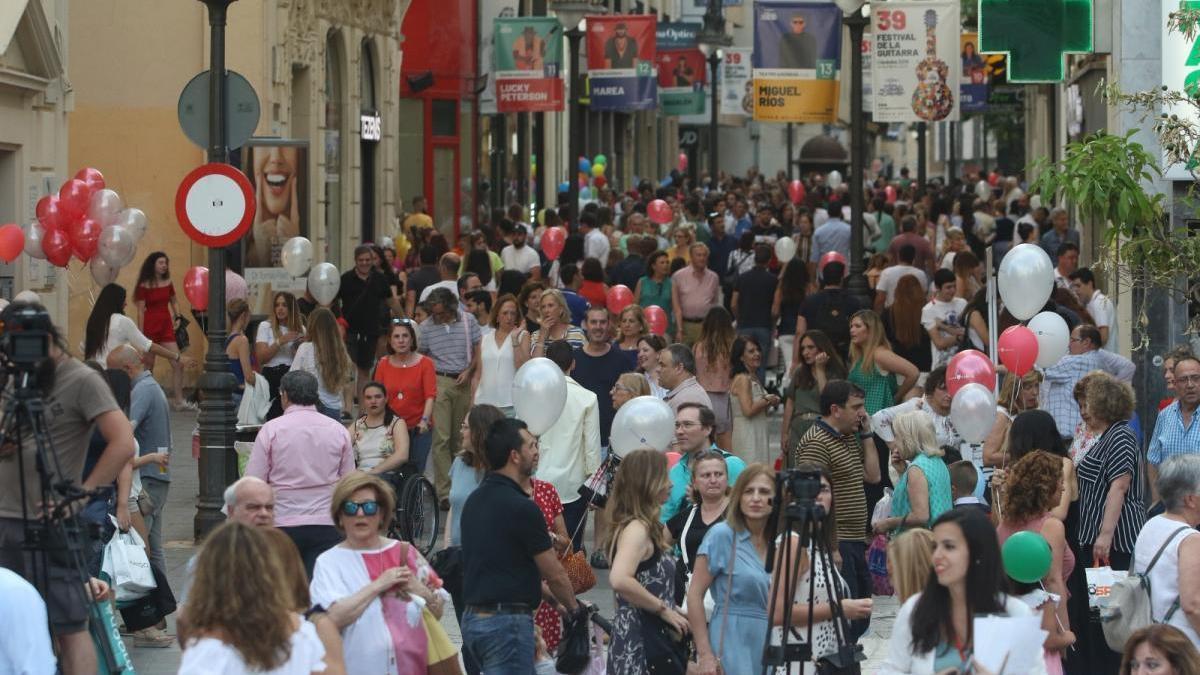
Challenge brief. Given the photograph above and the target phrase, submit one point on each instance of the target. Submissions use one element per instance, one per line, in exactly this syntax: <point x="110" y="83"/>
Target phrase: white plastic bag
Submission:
<point x="256" y="402"/>
<point x="883" y="507"/>
<point x="127" y="566"/>
<point x="1100" y="581"/>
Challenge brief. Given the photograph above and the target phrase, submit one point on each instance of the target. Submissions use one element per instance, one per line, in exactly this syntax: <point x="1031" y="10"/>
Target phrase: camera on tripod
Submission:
<point x="25" y="338"/>
<point x="803" y="488"/>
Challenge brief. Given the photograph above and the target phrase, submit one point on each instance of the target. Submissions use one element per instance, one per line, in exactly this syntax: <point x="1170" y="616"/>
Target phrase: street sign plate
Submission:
<point x="215" y="205"/>
<point x="241" y="110"/>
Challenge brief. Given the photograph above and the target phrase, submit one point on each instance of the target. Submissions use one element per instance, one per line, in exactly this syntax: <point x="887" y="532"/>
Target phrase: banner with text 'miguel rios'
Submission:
<point x="528" y="64"/>
<point x="797" y="55"/>
<point x="620" y="60"/>
<point x="682" y="71"/>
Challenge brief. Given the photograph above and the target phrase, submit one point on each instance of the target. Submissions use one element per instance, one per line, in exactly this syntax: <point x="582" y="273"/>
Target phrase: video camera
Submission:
<point x="25" y="334"/>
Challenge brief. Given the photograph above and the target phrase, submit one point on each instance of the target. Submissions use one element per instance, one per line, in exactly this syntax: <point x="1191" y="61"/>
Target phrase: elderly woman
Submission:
<point x="555" y="324"/>
<point x="923" y="491"/>
<point x="1175" y="578"/>
<point x="710" y="497"/>
<point x="369" y="583"/>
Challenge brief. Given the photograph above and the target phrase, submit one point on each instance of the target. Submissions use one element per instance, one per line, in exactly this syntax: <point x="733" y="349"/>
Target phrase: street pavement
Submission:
<point x="178" y="547"/>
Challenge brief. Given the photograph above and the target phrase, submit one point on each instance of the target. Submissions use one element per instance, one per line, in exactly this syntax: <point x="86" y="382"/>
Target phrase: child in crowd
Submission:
<point x="963" y="479"/>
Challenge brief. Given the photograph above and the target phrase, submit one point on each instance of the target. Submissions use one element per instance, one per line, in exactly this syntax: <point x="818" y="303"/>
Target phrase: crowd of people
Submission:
<point x="411" y="370"/>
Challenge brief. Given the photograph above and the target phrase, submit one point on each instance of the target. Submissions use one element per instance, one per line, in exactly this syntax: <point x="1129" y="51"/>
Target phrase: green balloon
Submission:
<point x="600" y="159"/>
<point x="1026" y="557"/>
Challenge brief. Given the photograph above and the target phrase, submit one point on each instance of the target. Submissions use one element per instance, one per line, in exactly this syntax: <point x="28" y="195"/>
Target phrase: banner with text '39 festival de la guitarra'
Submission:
<point x="917" y="65"/>
<point x="797" y="55"/>
<point x="620" y="60"/>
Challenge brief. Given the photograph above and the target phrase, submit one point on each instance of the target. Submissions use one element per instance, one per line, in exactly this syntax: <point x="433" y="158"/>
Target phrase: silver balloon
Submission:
<point x="973" y="412"/>
<point x="34" y="232"/>
<point x="324" y="282"/>
<point x="983" y="190"/>
<point x="539" y="393"/>
<point x="102" y="273"/>
<point x="785" y="249"/>
<point x="834" y="179"/>
<point x="116" y="246"/>
<point x="296" y="256"/>
<point x="1053" y="338"/>
<point x="105" y="207"/>
<point x="1026" y="280"/>
<point x="134" y="220"/>
<point x="644" y="422"/>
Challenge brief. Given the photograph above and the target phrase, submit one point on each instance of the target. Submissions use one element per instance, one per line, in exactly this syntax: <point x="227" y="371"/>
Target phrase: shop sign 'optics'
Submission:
<point x="1036" y="35"/>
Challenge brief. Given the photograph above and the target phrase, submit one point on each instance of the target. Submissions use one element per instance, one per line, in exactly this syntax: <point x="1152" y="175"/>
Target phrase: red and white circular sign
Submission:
<point x="215" y="205"/>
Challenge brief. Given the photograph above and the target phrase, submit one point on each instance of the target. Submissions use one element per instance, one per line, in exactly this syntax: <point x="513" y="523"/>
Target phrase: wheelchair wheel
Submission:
<point x="417" y="514"/>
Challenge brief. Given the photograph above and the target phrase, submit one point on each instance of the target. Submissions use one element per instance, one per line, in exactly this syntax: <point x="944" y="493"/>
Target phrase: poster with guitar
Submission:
<point x="916" y="66"/>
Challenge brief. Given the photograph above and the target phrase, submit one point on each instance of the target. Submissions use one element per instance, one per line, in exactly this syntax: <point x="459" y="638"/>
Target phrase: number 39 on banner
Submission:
<point x="894" y="19"/>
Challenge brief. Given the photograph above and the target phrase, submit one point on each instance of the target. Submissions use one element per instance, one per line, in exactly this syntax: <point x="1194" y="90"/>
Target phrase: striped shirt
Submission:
<point x="1114" y="455"/>
<point x="446" y="343"/>
<point x="842" y="456"/>
<point x="1171" y="437"/>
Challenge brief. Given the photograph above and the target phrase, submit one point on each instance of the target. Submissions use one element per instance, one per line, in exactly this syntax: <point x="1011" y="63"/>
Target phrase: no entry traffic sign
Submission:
<point x="215" y="205"/>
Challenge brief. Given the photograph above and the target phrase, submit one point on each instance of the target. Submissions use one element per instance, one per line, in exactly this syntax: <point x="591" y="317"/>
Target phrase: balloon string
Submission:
<point x="1057" y="620"/>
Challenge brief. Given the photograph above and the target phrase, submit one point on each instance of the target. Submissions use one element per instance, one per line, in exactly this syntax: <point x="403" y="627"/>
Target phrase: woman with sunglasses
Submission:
<point x="369" y="583"/>
<point x="411" y="387"/>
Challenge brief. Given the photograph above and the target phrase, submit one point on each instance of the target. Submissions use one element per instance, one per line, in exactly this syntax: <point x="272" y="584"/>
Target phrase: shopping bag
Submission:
<point x="883" y="507"/>
<point x="127" y="566"/>
<point x="881" y="583"/>
<point x="1100" y="581"/>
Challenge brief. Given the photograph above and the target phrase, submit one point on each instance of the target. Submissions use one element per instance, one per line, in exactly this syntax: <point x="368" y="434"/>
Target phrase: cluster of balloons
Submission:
<point x="85" y="220"/>
<point x="296" y="256"/>
<point x="591" y="175"/>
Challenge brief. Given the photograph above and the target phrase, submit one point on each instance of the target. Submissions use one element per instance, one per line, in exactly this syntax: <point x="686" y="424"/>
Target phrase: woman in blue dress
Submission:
<point x="731" y="562"/>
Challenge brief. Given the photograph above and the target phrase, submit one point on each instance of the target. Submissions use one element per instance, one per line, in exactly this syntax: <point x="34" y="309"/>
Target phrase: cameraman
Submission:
<point x="76" y="399"/>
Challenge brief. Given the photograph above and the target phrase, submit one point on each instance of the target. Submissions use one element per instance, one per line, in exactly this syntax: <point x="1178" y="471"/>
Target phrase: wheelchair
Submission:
<point x="417" y="519"/>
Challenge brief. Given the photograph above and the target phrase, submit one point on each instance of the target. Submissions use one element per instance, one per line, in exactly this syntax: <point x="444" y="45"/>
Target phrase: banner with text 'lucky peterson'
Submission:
<point x="528" y="64"/>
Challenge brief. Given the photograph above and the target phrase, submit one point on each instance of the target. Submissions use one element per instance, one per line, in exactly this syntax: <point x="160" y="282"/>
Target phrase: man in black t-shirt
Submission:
<point x="425" y="275"/>
<point x="363" y="293"/>
<point x="828" y="310"/>
<point x="753" y="298"/>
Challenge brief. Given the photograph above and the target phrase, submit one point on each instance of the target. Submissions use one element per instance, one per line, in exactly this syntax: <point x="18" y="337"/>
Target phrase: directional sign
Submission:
<point x="241" y="110"/>
<point x="215" y="205"/>
<point x="1036" y="35"/>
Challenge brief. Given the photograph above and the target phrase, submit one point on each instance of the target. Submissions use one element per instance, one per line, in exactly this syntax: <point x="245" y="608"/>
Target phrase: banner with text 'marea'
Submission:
<point x="797" y="55"/>
<point x="620" y="61"/>
<point x="528" y="64"/>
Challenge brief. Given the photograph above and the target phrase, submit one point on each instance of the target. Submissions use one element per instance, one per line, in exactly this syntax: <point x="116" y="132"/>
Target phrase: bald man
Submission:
<point x="250" y="501"/>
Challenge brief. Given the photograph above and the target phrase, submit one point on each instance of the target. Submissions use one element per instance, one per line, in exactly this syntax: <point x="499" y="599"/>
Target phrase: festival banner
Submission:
<point x="736" y="82"/>
<point x="528" y="64"/>
<point x="916" y="66"/>
<point x="797" y="55"/>
<point x="620" y="59"/>
<point x="976" y="75"/>
<point x="682" y="70"/>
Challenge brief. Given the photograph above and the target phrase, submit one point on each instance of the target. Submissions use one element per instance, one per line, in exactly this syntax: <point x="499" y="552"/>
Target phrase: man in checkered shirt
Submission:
<point x="1084" y="357"/>
<point x="1176" y="432"/>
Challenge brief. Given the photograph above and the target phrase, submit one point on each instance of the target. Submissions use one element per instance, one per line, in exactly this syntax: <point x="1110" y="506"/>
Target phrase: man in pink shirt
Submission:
<point x="301" y="454"/>
<point x="694" y="289"/>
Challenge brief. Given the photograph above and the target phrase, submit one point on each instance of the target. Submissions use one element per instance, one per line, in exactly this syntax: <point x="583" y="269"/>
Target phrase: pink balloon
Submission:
<point x="57" y="247"/>
<point x="553" y="241"/>
<point x="92" y="178"/>
<point x="796" y="191"/>
<point x="657" y="319"/>
<point x="832" y="256"/>
<point x="619" y="297"/>
<point x="1017" y="349"/>
<point x="969" y="366"/>
<point x="889" y="194"/>
<point x="12" y="242"/>
<point x="73" y="199"/>
<point x="659" y="212"/>
<point x="195" y="287"/>
<point x="672" y="459"/>
<point x="993" y="179"/>
<point x="85" y="238"/>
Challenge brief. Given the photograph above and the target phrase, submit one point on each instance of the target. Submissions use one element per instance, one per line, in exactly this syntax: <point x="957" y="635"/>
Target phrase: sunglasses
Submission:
<point x="403" y="322"/>
<point x="368" y="508"/>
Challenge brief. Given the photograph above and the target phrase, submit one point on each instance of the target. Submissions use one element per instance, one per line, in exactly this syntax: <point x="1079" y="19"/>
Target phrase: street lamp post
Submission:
<point x="856" y="20"/>
<point x="712" y="38"/>
<point x="217" y="418"/>
<point x="570" y="14"/>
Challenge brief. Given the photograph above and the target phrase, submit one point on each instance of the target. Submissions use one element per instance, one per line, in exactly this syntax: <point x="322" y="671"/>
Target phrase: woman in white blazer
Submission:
<point x="933" y="630"/>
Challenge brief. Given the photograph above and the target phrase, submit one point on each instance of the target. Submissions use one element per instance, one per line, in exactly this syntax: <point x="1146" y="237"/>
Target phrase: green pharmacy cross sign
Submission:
<point x="1035" y="35"/>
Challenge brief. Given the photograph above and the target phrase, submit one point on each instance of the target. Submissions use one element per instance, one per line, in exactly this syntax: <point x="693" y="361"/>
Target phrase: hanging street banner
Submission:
<point x="797" y="54"/>
<point x="916" y="66"/>
<point x="976" y="75"/>
<point x="620" y="61"/>
<point x="736" y="82"/>
<point x="528" y="64"/>
<point x="682" y="70"/>
<point x="489" y="11"/>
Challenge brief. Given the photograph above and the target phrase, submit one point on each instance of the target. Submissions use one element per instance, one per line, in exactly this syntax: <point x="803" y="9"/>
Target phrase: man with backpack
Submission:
<point x="829" y="311"/>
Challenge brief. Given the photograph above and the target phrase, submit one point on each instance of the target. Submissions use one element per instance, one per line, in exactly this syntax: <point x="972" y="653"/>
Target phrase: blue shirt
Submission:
<point x="151" y="419"/>
<point x="681" y="478"/>
<point x="1170" y="437"/>
<point x="833" y="235"/>
<point x="577" y="304"/>
<point x="718" y="253"/>
<point x="598" y="374"/>
<point x="742" y="227"/>
<point x="463" y="481"/>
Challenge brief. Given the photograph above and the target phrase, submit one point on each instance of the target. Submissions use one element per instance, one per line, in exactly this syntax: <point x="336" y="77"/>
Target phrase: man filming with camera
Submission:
<point x="75" y="400"/>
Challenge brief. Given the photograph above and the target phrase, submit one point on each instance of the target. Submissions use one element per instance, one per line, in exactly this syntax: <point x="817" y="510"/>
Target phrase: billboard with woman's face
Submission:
<point x="278" y="170"/>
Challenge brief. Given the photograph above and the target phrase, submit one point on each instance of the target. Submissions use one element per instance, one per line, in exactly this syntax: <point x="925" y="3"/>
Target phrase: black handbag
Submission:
<point x="666" y="650"/>
<point x="575" y="648"/>
<point x="147" y="611"/>
<point x="182" y="339"/>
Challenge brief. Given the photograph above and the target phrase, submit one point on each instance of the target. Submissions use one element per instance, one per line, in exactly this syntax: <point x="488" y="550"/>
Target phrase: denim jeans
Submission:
<point x="418" y="448"/>
<point x="500" y="644"/>
<point x="334" y="414"/>
<point x="858" y="579"/>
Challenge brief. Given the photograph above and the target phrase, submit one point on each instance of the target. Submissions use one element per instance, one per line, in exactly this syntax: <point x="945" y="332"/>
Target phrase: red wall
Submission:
<point x="440" y="36"/>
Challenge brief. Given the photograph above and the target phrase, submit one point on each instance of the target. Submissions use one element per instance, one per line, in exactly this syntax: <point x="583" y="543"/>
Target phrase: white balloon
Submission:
<point x="973" y="412"/>
<point x="34" y="232"/>
<point x="834" y="179"/>
<point x="644" y="422"/>
<point x="116" y="246"/>
<point x="324" y="282"/>
<point x="1026" y="280"/>
<point x="983" y="190"/>
<point x="102" y="273"/>
<point x="1053" y="337"/>
<point x="785" y="249"/>
<point x="135" y="221"/>
<point x="105" y="207"/>
<point x="296" y="256"/>
<point x="539" y="394"/>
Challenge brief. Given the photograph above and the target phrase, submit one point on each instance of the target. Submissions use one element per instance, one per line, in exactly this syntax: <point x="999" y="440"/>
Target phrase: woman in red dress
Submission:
<point x="547" y="617"/>
<point x="154" y="297"/>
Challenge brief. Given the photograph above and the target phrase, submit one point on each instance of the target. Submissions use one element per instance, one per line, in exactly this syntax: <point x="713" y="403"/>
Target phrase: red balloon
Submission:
<point x="796" y="191"/>
<point x="57" y="247"/>
<point x="619" y="297"/>
<point x="12" y="242"/>
<point x="553" y="241"/>
<point x="85" y="238"/>
<point x="659" y="212"/>
<point x="832" y="256"/>
<point x="993" y="179"/>
<point x="195" y="287"/>
<point x="73" y="199"/>
<point x="672" y="459"/>
<point x="92" y="178"/>
<point x="599" y="181"/>
<point x="889" y="193"/>
<point x="969" y="366"/>
<point x="657" y="319"/>
<point x="1017" y="349"/>
<point x="49" y="212"/>
<point x="683" y="162"/>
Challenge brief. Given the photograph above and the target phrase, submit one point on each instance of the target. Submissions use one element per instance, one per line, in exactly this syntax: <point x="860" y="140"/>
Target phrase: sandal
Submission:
<point x="153" y="637"/>
<point x="598" y="561"/>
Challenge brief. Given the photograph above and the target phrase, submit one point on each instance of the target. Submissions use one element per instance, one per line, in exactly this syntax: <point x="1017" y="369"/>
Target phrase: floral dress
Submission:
<point x="626" y="652"/>
<point x="372" y="445"/>
<point x="546" y="617"/>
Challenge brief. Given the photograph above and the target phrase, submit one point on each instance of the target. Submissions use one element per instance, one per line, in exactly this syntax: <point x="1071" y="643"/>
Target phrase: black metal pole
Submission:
<point x="714" y="62"/>
<point x="952" y="159"/>
<point x="576" y="121"/>
<point x="217" y="417"/>
<point x="791" y="157"/>
<point x="857" y="283"/>
<point x="921" y="160"/>
<point x="523" y="159"/>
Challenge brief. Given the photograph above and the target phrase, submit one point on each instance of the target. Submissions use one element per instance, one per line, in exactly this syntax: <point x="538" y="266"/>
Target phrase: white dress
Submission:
<point x="751" y="435"/>
<point x="211" y="656"/>
<point x="496" y="379"/>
